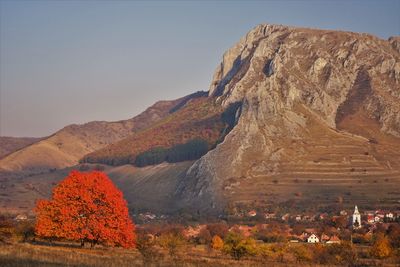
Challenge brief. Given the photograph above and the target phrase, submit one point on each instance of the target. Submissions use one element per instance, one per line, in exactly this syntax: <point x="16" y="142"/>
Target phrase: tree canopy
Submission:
<point x="86" y="206"/>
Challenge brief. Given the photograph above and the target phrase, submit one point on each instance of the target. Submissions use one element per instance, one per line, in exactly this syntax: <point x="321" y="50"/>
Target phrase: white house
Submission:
<point x="356" y="218"/>
<point x="313" y="239"/>
<point x="389" y="215"/>
<point x="21" y="217"/>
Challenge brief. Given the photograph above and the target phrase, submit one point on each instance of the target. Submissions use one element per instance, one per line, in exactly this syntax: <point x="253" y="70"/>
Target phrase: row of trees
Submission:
<point x="190" y="150"/>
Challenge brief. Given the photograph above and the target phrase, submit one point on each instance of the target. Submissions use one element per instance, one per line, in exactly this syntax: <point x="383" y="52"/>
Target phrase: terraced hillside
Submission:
<point x="325" y="167"/>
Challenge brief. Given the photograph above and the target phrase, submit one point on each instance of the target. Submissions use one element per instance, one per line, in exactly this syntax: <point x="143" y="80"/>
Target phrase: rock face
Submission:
<point x="315" y="104"/>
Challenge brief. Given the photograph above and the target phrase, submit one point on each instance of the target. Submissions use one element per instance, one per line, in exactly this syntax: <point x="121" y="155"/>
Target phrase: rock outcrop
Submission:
<point x="315" y="104"/>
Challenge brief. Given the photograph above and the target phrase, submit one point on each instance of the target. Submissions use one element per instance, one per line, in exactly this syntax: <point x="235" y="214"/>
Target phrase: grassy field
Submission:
<point x="67" y="254"/>
<point x="24" y="254"/>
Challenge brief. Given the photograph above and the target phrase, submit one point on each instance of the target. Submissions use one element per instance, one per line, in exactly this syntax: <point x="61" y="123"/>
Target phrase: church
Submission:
<point x="356" y="218"/>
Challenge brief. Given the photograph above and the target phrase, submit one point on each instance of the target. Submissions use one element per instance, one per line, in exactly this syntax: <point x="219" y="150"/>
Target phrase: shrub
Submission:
<point x="204" y="236"/>
<point x="381" y="247"/>
<point x="217" y="243"/>
<point x="145" y="244"/>
<point x="173" y="242"/>
<point x="219" y="229"/>
<point x="301" y="253"/>
<point x="237" y="246"/>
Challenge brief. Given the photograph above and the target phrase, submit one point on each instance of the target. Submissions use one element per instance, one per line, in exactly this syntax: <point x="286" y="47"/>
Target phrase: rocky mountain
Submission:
<point x="66" y="147"/>
<point x="10" y="144"/>
<point x="320" y="120"/>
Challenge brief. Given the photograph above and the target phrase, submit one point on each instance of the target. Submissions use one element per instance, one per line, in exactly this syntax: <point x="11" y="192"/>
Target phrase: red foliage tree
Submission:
<point x="86" y="206"/>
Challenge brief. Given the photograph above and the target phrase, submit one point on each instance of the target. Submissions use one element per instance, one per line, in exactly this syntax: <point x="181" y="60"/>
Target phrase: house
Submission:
<point x="298" y="218"/>
<point x="324" y="238"/>
<point x="193" y="231"/>
<point x="313" y="239"/>
<point x="285" y="217"/>
<point x="343" y="213"/>
<point x="333" y="240"/>
<point x="21" y="217"/>
<point x="252" y="213"/>
<point x="389" y="216"/>
<point x="323" y="216"/>
<point x="270" y="216"/>
<point x="370" y="218"/>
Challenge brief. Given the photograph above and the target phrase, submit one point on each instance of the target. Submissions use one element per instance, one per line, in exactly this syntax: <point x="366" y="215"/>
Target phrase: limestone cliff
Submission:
<point x="315" y="104"/>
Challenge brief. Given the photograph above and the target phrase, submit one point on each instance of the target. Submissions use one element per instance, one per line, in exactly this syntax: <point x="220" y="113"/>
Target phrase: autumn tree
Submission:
<point x="238" y="246"/>
<point x="86" y="206"/>
<point x="217" y="243"/>
<point x="381" y="247"/>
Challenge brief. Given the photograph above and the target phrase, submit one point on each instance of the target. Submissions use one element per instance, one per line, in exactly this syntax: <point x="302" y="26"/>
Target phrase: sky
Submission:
<point x="64" y="62"/>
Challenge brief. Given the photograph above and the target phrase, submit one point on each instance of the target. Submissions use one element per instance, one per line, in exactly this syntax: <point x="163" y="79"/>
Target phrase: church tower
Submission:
<point x="356" y="218"/>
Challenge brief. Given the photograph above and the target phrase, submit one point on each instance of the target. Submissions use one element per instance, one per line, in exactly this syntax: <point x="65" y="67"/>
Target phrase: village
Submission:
<point x="301" y="228"/>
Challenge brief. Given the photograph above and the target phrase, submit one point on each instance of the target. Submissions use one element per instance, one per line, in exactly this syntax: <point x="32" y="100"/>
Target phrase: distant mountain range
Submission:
<point x="294" y="118"/>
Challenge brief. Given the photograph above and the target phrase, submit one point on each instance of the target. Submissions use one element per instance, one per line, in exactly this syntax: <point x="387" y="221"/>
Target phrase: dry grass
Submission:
<point x="58" y="255"/>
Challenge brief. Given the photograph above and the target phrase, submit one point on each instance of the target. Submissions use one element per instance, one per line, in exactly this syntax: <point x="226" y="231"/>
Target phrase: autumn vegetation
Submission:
<point x="86" y="207"/>
<point x="191" y="125"/>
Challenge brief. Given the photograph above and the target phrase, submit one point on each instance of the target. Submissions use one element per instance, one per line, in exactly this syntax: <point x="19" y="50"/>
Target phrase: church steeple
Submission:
<point x="356" y="210"/>
<point x="356" y="218"/>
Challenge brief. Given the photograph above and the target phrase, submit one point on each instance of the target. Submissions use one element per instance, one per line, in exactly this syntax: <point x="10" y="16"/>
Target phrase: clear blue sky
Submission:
<point x="64" y="62"/>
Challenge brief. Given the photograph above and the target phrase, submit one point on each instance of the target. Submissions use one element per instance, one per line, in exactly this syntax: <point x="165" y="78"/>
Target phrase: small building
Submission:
<point x="313" y="239"/>
<point x="333" y="240"/>
<point x="270" y="216"/>
<point x="343" y="213"/>
<point x="285" y="217"/>
<point x="389" y="216"/>
<point x="323" y="216"/>
<point x="21" y="217"/>
<point x="298" y="218"/>
<point x="324" y="238"/>
<point x="252" y="213"/>
<point x="370" y="218"/>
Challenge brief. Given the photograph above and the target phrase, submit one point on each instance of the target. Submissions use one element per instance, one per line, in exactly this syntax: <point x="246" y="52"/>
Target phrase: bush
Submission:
<point x="339" y="254"/>
<point x="145" y="244"/>
<point x="219" y="229"/>
<point x="237" y="246"/>
<point x="381" y="247"/>
<point x="204" y="237"/>
<point x="302" y="253"/>
<point x="174" y="243"/>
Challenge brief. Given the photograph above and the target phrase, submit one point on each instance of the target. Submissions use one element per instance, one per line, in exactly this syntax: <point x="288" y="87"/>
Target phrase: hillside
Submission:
<point x="66" y="147"/>
<point x="199" y="118"/>
<point x="9" y="144"/>
<point x="320" y="121"/>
